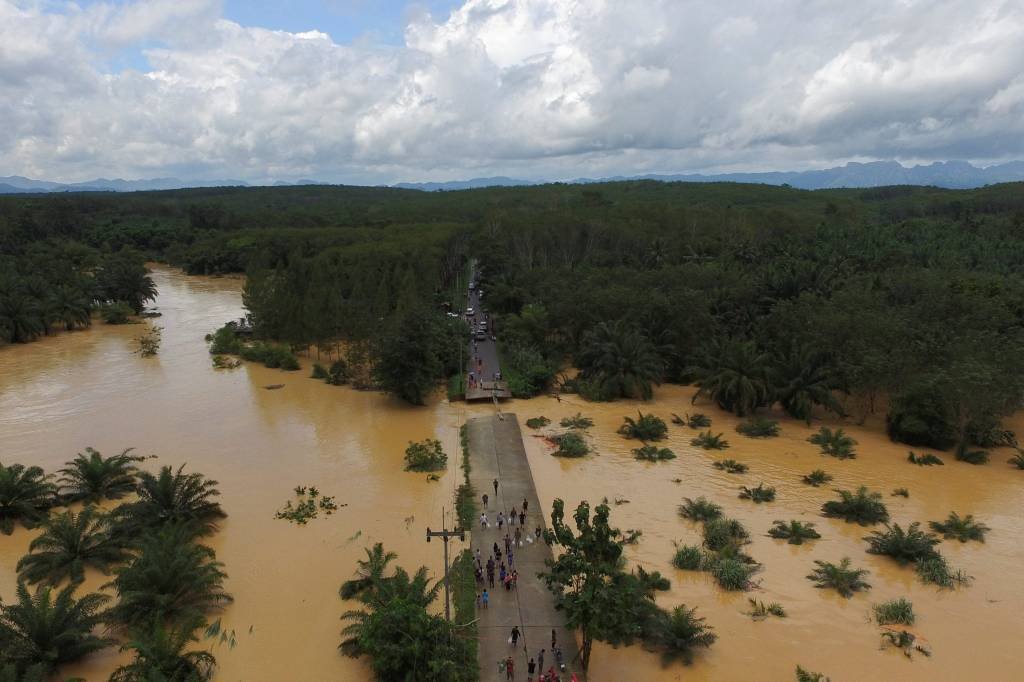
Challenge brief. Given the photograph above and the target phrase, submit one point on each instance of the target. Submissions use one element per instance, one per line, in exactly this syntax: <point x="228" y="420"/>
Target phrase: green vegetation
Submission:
<point x="160" y="655"/>
<point x="759" y="427"/>
<point x="645" y="427"/>
<point x="839" y="577"/>
<point x="272" y="355"/>
<point x="962" y="528"/>
<point x="688" y="558"/>
<point x="817" y="478"/>
<point x="577" y="421"/>
<point x="724" y="534"/>
<point x="935" y="570"/>
<point x="170" y="498"/>
<point x="793" y="532"/>
<point x="926" y="459"/>
<point x="617" y="360"/>
<point x="900" y="492"/>
<point x="758" y="494"/>
<point x="308" y="505"/>
<point x="1018" y="459"/>
<point x="731" y="574"/>
<point x="894" y="612"/>
<point x="605" y="603"/>
<point x="569" y="444"/>
<point x="905" y="546"/>
<point x="834" y="443"/>
<point x="731" y="466"/>
<point x="906" y="641"/>
<point x="710" y="441"/>
<point x="964" y="453"/>
<point x="694" y="421"/>
<point x="652" y="453"/>
<point x="808" y="676"/>
<point x="760" y="611"/>
<point x="862" y="506"/>
<point x="700" y="509"/>
<point x="734" y="374"/>
<point x="91" y="478"/>
<point x="337" y="374"/>
<point x="425" y="455"/>
<point x="537" y="422"/>
<point x="26" y="495"/>
<point x="149" y="342"/>
<point x="68" y="545"/>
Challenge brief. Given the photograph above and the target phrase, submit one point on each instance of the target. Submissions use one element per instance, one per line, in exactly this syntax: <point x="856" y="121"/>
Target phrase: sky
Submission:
<point x="374" y="91"/>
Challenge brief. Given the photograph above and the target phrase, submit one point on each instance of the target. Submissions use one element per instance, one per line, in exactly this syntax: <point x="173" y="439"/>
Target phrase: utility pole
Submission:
<point x="444" y="534"/>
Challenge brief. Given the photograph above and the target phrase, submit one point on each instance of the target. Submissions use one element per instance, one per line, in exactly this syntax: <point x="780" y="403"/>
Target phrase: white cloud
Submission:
<point x="534" y="88"/>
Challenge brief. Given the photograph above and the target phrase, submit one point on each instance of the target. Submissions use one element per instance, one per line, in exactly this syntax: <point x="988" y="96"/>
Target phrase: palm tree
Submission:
<point x="39" y="630"/>
<point x="124" y="278"/>
<point x="679" y="632"/>
<point x="69" y="543"/>
<point x="369" y="572"/>
<point x="621" y="360"/>
<point x="863" y="506"/>
<point x="905" y="546"/>
<point x="160" y="655"/>
<point x="700" y="509"/>
<point x="172" y="497"/>
<point x="172" y="577"/>
<point x="794" y="532"/>
<point x="92" y="478"/>
<point x="805" y="378"/>
<point x="840" y="577"/>
<point x="21" y="317"/>
<point x="734" y="374"/>
<point x="26" y="494"/>
<point x="70" y="307"/>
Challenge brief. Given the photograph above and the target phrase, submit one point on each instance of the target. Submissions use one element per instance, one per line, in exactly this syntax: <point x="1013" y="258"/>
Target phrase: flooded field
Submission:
<point x="82" y="389"/>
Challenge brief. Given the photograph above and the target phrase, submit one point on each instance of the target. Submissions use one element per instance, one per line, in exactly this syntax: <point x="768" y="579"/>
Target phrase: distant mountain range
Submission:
<point x="949" y="174"/>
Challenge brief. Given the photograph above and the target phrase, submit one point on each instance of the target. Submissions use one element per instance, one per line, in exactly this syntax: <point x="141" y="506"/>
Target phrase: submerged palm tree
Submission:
<point x="679" y="632"/>
<point x="794" y="532"/>
<point x="369" y="573"/>
<point x="621" y="359"/>
<point x="734" y="374"/>
<point x="26" y="494"/>
<point x="70" y="307"/>
<point x="44" y="632"/>
<point x="160" y="655"/>
<point x="21" y="318"/>
<point x="840" y="577"/>
<point x="172" y="577"/>
<point x="68" y="545"/>
<point x="92" y="478"/>
<point x="172" y="497"/>
<point x="805" y="378"/>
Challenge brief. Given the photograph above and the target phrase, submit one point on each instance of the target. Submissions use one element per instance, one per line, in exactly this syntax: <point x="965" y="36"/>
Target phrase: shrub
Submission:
<point x="710" y="441"/>
<point x="841" y="577"/>
<point x="688" y="558"/>
<point x="920" y="416"/>
<point x="760" y="611"/>
<point x="1018" y="459"/>
<point x="905" y="546"/>
<point x="965" y="454"/>
<point x="537" y="422"/>
<point x="577" y="421"/>
<point x="895" y="612"/>
<point x="271" y="355"/>
<point x="808" y="676"/>
<point x="337" y="374"/>
<point x="926" y="460"/>
<point x="724" y="534"/>
<point x="936" y="571"/>
<point x="698" y="421"/>
<point x="900" y="492"/>
<point x="700" y="509"/>
<point x="149" y="343"/>
<point x="426" y="455"/>
<point x="861" y="507"/>
<point x="794" y="532"/>
<point x="224" y="342"/>
<point x="732" y="574"/>
<point x="963" y="529"/>
<point x="834" y="443"/>
<point x="645" y="427"/>
<point x="759" y="494"/>
<point x="319" y="372"/>
<point x="652" y="453"/>
<point x="731" y="466"/>
<point x="570" y="444"/>
<point x="116" y="313"/>
<point x="817" y="478"/>
<point x="759" y="427"/>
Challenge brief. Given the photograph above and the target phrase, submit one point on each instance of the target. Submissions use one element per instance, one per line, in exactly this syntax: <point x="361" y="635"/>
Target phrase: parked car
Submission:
<point x="470" y="312"/>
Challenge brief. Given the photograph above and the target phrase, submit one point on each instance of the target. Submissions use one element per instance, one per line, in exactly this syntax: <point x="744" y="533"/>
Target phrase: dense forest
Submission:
<point x="902" y="300"/>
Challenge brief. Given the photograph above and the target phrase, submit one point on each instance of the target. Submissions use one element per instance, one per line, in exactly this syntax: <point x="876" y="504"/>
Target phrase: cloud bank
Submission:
<point x="530" y="88"/>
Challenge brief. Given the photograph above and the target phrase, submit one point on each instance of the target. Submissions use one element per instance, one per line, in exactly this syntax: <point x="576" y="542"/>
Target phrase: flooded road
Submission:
<point x="82" y="389"/>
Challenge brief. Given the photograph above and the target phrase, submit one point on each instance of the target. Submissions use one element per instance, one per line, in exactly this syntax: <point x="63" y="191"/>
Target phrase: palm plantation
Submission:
<point x="735" y="375"/>
<point x="161" y="654"/>
<point x="26" y="495"/>
<point x="171" y="497"/>
<point x="620" y="362"/>
<point x="69" y="544"/>
<point x="92" y="478"/>
<point x="803" y="379"/>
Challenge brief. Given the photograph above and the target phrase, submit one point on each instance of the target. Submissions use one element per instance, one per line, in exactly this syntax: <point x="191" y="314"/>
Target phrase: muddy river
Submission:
<point x="88" y="388"/>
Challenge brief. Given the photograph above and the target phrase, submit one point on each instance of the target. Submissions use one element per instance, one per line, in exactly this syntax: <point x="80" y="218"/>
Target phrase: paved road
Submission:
<point x="483" y="354"/>
<point x="496" y="452"/>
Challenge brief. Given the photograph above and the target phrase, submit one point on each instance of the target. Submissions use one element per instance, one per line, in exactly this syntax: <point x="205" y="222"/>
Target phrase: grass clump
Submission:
<point x="732" y="574"/>
<point x="759" y="610"/>
<point x="645" y="427"/>
<point x="426" y="455"/>
<point x="905" y="546"/>
<point x="710" y="441"/>
<point x="793" y="532"/>
<point x="537" y="422"/>
<point x="577" y="421"/>
<point x="761" y="493"/>
<point x="759" y="427"/>
<point x="817" y="478"/>
<point x="925" y="460"/>
<point x="688" y="558"/>
<point x="895" y="612"/>
<point x="652" y="453"/>
<point x="962" y="528"/>
<point x="839" y="577"/>
<point x="700" y="509"/>
<point x="730" y="466"/>
<point x="724" y="534"/>
<point x="936" y="571"/>
<point x="569" y="444"/>
<point x="862" y="506"/>
<point x="834" y="443"/>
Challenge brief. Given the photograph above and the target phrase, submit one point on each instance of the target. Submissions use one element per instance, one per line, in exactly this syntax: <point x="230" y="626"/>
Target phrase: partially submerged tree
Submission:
<point x="839" y="577"/>
<point x="794" y="532"/>
<point x="834" y="443"/>
<point x="734" y="374"/>
<point x="26" y="495"/>
<point x="645" y="427"/>
<point x="861" y="506"/>
<point x="962" y="528"/>
<point x="161" y="655"/>
<point x="700" y="509"/>
<point x="171" y="497"/>
<point x="619" y="361"/>
<point x="92" y="477"/>
<point x="69" y="544"/>
<point x="905" y="546"/>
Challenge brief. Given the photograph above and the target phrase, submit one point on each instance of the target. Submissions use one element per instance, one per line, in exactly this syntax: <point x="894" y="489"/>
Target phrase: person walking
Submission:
<point x="485" y="499"/>
<point x="531" y="668"/>
<point x="526" y="503"/>
<point x="495" y="486"/>
<point x="553" y="639"/>
<point x="501" y="520"/>
<point x="522" y="518"/>
<point x="510" y="667"/>
<point x="518" y="539"/>
<point x="515" y="635"/>
<point x="540" y="661"/>
<point x="485" y="598"/>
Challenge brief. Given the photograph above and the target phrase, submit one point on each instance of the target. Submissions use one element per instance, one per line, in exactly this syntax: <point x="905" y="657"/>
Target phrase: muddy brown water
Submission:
<point x="69" y="391"/>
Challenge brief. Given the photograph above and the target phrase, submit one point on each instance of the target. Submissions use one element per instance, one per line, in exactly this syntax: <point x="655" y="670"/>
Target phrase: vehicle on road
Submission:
<point x="481" y="336"/>
<point x="469" y="311"/>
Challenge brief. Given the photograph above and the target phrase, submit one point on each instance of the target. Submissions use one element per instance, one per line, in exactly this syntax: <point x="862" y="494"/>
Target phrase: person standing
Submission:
<point x="526" y="503"/>
<point x="485" y="499"/>
<point x="522" y="518"/>
<point x="495" y="486"/>
<point x="485" y="599"/>
<point x="553" y="639"/>
<point x="540" y="661"/>
<point x="531" y="668"/>
<point x="509" y="668"/>
<point x="515" y="635"/>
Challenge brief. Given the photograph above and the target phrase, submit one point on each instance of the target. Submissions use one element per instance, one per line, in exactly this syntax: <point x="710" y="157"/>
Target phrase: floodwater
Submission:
<point x="82" y="389"/>
<point x="87" y="388"/>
